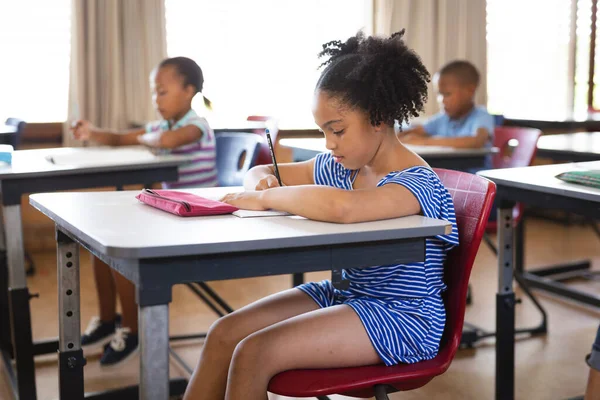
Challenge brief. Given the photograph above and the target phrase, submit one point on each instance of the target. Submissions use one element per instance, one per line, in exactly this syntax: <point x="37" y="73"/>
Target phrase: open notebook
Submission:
<point x="251" y="213"/>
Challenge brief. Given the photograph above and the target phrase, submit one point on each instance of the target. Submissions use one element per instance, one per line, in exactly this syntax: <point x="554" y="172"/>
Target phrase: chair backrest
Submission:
<point x="264" y="155"/>
<point x="15" y="138"/>
<point x="236" y="154"/>
<point x="524" y="152"/>
<point x="473" y="198"/>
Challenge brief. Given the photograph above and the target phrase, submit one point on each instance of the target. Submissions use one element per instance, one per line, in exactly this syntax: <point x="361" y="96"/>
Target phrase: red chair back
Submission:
<point x="473" y="197"/>
<point x="264" y="155"/>
<point x="524" y="152"/>
<point x="522" y="156"/>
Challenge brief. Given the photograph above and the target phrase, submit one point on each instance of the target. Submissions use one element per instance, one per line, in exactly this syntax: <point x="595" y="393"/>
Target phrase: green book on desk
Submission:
<point x="587" y="178"/>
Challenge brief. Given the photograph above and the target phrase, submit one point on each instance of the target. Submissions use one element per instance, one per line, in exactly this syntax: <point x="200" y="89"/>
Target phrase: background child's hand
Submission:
<point x="150" y="139"/>
<point x="82" y="129"/>
<point x="269" y="181"/>
<point x="416" y="140"/>
<point x="244" y="200"/>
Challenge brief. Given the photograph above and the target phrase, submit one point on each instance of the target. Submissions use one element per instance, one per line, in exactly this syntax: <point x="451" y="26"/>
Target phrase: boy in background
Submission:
<point x="461" y="123"/>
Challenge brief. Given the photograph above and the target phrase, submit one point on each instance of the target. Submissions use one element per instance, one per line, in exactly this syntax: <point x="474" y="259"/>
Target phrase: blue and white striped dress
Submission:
<point x="400" y="305"/>
<point x="202" y="170"/>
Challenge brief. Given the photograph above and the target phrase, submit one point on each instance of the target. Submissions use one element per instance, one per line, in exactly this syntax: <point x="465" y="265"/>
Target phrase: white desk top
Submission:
<point x="7" y="129"/>
<point x="117" y="224"/>
<point x="69" y="160"/>
<point x="318" y="145"/>
<point x="582" y="142"/>
<point x="542" y="178"/>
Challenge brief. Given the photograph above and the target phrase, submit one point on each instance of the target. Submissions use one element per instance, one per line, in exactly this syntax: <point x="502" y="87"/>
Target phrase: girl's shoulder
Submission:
<point x="415" y="173"/>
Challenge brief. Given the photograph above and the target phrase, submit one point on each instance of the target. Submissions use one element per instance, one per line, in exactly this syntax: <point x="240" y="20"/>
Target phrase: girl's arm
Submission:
<point x="179" y="137"/>
<point x="292" y="174"/>
<point x="84" y="130"/>
<point x="329" y="204"/>
<point x="112" y="138"/>
<point x="325" y="203"/>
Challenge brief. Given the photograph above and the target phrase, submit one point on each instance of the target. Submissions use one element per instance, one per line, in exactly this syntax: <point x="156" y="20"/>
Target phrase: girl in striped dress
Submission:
<point x="175" y="82"/>
<point x="390" y="313"/>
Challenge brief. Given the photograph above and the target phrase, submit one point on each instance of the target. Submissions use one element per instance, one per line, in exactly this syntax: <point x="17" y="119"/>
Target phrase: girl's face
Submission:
<point x="171" y="98"/>
<point x="349" y="135"/>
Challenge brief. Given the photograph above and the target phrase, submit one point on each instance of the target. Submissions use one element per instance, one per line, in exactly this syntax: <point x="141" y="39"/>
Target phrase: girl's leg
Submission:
<point x="129" y="308"/>
<point x="210" y="377"/>
<point x="105" y="290"/>
<point x="325" y="338"/>
<point x="125" y="341"/>
<point x="592" y="391"/>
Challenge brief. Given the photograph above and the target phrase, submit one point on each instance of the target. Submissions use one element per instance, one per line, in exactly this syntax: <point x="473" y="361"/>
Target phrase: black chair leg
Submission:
<point x="469" y="295"/>
<point x="30" y="271"/>
<point x="381" y="393"/>
<point x="490" y="244"/>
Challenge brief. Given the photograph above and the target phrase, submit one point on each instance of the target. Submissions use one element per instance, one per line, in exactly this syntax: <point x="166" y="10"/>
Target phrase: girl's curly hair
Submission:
<point x="381" y="76"/>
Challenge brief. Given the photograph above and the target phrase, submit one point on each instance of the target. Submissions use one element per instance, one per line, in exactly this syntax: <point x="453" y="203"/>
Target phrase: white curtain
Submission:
<point x="439" y="31"/>
<point x="115" y="45"/>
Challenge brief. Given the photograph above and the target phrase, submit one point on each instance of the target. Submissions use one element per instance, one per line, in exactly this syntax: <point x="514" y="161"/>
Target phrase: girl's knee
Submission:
<point x="256" y="350"/>
<point x="223" y="332"/>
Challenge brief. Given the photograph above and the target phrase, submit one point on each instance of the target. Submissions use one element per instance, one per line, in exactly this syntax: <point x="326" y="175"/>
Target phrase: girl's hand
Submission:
<point x="269" y="181"/>
<point x="245" y="200"/>
<point x="150" y="139"/>
<point x="82" y="129"/>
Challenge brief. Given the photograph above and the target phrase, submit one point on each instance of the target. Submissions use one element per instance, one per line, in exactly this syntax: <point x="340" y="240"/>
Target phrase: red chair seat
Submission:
<point x="473" y="197"/>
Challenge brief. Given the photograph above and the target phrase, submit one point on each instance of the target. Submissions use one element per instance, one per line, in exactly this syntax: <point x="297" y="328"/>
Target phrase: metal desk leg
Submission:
<point x="154" y="346"/>
<point x="18" y="296"/>
<point x="297" y="279"/>
<point x="71" y="361"/>
<point x="505" y="306"/>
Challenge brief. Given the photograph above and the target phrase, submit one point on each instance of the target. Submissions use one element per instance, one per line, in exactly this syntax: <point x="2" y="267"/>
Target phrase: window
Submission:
<point x="35" y="45"/>
<point x="530" y="57"/>
<point x="260" y="57"/>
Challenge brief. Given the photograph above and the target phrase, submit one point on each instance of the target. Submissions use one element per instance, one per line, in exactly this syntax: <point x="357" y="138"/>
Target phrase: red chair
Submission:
<point x="473" y="197"/>
<point x="522" y="156"/>
<point x="264" y="155"/>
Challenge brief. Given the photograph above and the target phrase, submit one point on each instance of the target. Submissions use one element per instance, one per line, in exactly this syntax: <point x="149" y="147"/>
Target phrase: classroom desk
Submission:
<point x="436" y="156"/>
<point x="581" y="146"/>
<point x="199" y="249"/>
<point x="585" y="121"/>
<point x="32" y="171"/>
<point x="576" y="147"/>
<point x="536" y="186"/>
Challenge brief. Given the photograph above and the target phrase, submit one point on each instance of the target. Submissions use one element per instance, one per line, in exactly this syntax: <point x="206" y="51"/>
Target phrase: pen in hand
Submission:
<point x="273" y="157"/>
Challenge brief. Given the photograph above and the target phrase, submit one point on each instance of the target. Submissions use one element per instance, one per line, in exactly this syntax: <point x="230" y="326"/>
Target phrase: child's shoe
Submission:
<point x="122" y="347"/>
<point x="98" y="333"/>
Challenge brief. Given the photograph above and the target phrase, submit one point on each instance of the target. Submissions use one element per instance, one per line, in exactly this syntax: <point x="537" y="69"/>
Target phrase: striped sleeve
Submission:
<point x="153" y="126"/>
<point x="329" y="173"/>
<point x="435" y="200"/>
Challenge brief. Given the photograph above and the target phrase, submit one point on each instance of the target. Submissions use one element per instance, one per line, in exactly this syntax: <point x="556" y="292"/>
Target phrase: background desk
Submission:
<point x="535" y="186"/>
<point x="199" y="249"/>
<point x="436" y="156"/>
<point x="30" y="172"/>
<point x="582" y="146"/>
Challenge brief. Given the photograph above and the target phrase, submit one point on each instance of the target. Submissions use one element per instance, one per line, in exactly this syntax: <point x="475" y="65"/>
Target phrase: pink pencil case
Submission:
<point x="183" y="204"/>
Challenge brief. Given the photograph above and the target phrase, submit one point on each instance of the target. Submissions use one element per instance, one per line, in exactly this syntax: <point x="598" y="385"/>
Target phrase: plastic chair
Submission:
<point x="473" y="197"/>
<point x="511" y="155"/>
<point x="522" y="156"/>
<point x="237" y="152"/>
<point x="15" y="138"/>
<point x="264" y="155"/>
